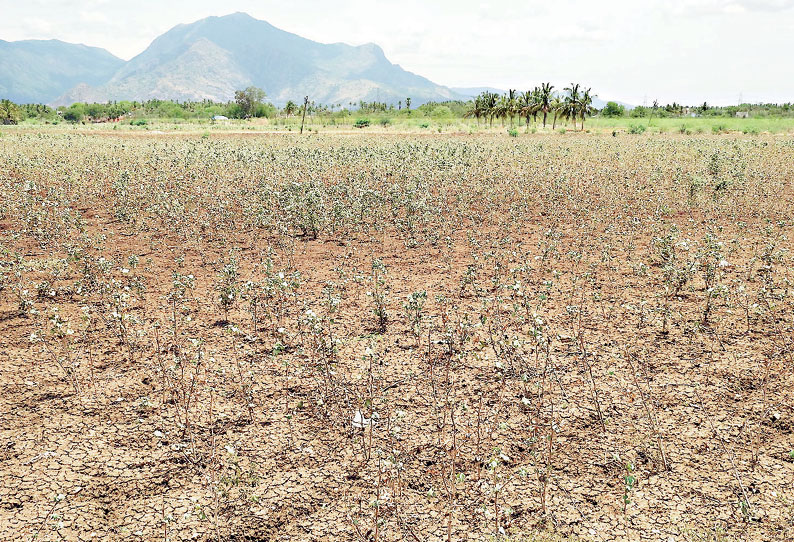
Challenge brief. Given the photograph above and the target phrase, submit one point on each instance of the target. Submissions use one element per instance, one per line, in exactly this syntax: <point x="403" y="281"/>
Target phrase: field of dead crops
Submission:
<point x="396" y="337"/>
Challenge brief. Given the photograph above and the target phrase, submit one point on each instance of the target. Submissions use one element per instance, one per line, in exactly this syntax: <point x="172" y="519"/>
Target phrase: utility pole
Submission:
<point x="305" y="104"/>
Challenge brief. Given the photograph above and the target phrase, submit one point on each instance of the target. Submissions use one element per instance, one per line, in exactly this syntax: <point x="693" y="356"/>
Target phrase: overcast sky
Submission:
<point x="630" y="50"/>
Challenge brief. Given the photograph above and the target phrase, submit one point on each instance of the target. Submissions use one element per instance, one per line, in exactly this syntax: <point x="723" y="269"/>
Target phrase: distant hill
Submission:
<point x="213" y="57"/>
<point x="38" y="71"/>
<point x="210" y="59"/>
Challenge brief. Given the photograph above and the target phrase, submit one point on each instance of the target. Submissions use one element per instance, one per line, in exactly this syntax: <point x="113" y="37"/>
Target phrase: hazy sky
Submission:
<point x="631" y="50"/>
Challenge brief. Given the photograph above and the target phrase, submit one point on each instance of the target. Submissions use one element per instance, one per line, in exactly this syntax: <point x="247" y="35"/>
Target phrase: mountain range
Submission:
<point x="210" y="59"/>
<point x="38" y="71"/>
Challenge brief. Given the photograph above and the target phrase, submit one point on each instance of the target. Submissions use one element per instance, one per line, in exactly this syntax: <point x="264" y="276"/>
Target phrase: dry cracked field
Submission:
<point x="396" y="337"/>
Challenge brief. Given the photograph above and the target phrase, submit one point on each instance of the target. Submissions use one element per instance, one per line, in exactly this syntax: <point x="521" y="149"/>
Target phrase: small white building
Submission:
<point x="742" y="114"/>
<point x="219" y="117"/>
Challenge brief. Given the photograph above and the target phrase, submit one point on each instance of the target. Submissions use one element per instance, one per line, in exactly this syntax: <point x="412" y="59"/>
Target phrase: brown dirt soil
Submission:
<point x="540" y="394"/>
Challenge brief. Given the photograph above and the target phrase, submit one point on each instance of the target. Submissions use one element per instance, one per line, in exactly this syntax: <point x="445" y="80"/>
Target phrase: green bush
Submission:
<point x="613" y="109"/>
<point x="362" y="123"/>
<point x="441" y="112"/>
<point x="513" y="132"/>
<point x="637" y="129"/>
<point x="74" y="114"/>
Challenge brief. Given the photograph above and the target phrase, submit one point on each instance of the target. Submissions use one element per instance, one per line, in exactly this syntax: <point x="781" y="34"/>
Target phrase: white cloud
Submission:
<point x="766" y="5"/>
<point x="723" y="7"/>
<point x="37" y="27"/>
<point x="94" y="17"/>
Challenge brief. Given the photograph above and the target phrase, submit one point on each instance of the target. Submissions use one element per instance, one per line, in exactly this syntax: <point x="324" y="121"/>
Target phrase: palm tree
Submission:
<point x="536" y="103"/>
<point x="544" y="99"/>
<point x="408" y="103"/>
<point x="501" y="108"/>
<point x="570" y="108"/>
<point x="290" y="108"/>
<point x="556" y="106"/>
<point x="511" y="105"/>
<point x="477" y="109"/>
<point x="526" y="104"/>
<point x="567" y="111"/>
<point x="490" y="105"/>
<point x="482" y="107"/>
<point x="585" y="105"/>
<point x="654" y="110"/>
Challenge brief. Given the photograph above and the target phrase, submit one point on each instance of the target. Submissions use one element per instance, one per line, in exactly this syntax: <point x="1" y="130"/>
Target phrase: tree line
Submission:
<point x="575" y="104"/>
